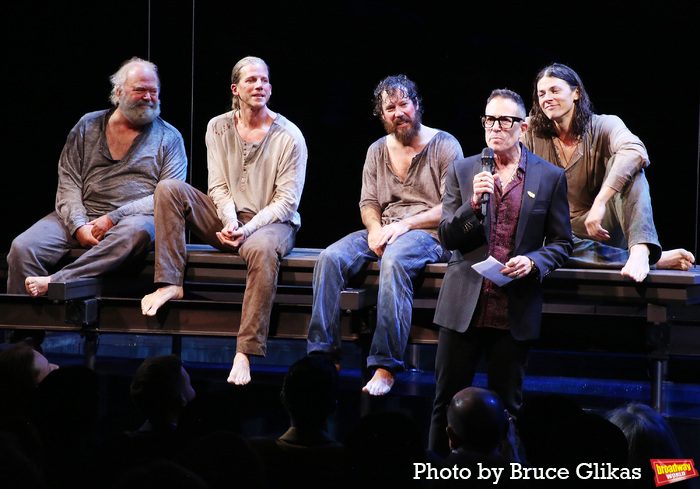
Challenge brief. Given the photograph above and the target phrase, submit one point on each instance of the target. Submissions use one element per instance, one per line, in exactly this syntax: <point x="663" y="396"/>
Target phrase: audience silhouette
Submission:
<point x="51" y="435"/>
<point x="22" y="368"/>
<point x="381" y="450"/>
<point x="160" y="474"/>
<point x="305" y="453"/>
<point x="556" y="432"/>
<point x="480" y="434"/>
<point x="160" y="390"/>
<point x="649" y="437"/>
<point x="65" y="412"/>
<point x="225" y="460"/>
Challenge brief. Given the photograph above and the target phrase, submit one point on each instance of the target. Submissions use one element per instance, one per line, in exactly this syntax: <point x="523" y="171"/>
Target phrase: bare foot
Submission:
<point x="240" y="372"/>
<point x="678" y="259"/>
<point x="152" y="302"/>
<point x="37" y="286"/>
<point x="381" y="383"/>
<point x="637" y="266"/>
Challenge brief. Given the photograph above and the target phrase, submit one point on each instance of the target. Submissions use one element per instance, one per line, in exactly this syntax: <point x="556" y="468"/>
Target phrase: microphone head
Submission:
<point x="488" y="153"/>
<point x="488" y="159"/>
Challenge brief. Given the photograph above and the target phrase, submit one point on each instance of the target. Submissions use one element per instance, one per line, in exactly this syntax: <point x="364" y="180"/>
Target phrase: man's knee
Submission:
<point x="344" y="250"/>
<point x="167" y="189"/>
<point x="330" y="256"/>
<point x="20" y="250"/>
<point x="393" y="264"/>
<point x="137" y="224"/>
<point x="136" y="232"/>
<point x="260" y="254"/>
<point x="389" y="270"/>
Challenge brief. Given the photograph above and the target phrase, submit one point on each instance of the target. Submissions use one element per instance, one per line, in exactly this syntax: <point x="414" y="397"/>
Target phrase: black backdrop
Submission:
<point x="637" y="60"/>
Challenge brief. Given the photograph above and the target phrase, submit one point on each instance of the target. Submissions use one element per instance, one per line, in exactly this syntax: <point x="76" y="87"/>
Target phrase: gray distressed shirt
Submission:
<point x="91" y="183"/>
<point x="395" y="199"/>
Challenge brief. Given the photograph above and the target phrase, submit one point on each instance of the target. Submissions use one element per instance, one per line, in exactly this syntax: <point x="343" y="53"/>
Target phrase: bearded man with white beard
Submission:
<point x="107" y="173"/>
<point x="403" y="183"/>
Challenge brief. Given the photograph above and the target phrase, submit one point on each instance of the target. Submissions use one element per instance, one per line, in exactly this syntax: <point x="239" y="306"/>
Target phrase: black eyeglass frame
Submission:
<point x="509" y="119"/>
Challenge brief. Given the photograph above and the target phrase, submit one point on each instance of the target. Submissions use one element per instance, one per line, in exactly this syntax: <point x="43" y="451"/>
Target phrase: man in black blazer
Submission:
<point x="525" y="226"/>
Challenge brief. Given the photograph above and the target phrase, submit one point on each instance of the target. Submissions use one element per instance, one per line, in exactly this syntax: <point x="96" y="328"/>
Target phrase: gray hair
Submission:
<point x="509" y="95"/>
<point x="236" y="75"/>
<point x="119" y="78"/>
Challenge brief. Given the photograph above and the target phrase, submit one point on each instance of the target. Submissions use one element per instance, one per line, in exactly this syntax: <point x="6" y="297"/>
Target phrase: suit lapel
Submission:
<point x="531" y="186"/>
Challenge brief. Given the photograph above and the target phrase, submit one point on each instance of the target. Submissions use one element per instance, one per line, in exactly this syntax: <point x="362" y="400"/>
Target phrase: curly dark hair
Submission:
<point x="397" y="85"/>
<point x="583" y="111"/>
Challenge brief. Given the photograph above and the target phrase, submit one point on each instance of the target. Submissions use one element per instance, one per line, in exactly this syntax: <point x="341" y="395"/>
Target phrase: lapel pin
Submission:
<point x="532" y="196"/>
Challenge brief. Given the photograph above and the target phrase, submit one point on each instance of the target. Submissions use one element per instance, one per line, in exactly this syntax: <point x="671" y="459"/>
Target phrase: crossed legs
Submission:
<point x="43" y="245"/>
<point x="629" y="219"/>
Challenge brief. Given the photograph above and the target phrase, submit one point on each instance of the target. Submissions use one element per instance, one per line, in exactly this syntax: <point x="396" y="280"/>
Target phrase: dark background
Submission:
<point x="637" y="60"/>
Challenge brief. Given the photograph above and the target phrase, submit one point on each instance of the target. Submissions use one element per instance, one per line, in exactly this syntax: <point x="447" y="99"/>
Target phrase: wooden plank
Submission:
<point x="24" y="312"/>
<point x="207" y="318"/>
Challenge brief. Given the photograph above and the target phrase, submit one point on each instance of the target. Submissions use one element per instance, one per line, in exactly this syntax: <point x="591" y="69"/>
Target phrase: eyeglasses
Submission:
<point x="506" y="121"/>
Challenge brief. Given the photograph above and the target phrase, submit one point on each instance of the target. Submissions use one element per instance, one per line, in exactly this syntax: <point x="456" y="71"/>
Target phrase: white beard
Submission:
<point x="139" y="113"/>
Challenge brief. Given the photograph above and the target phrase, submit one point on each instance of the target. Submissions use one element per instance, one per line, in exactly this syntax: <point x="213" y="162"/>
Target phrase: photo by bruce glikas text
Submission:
<point x="516" y="471"/>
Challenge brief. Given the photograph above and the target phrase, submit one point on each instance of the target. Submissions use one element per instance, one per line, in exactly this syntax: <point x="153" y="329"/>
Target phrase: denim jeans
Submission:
<point x="401" y="263"/>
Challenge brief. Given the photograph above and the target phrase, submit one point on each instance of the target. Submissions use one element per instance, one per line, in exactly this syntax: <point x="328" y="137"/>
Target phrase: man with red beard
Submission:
<point x="107" y="173"/>
<point x="401" y="202"/>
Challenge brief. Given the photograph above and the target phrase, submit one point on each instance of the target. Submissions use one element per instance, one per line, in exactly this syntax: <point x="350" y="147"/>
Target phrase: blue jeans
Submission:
<point x="401" y="263"/>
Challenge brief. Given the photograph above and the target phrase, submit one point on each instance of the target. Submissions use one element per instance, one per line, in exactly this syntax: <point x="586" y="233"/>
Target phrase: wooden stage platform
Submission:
<point x="666" y="305"/>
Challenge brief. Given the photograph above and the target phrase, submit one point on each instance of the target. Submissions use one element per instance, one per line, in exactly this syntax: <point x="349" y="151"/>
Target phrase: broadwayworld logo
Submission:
<point x="669" y="471"/>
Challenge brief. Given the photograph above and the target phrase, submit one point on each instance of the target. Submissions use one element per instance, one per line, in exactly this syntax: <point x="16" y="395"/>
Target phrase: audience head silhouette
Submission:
<point x="476" y="420"/>
<point x="21" y="370"/>
<point x="555" y="432"/>
<point x="382" y="448"/>
<point x="648" y="435"/>
<point x="161" y="474"/>
<point x="310" y="391"/>
<point x="161" y="389"/>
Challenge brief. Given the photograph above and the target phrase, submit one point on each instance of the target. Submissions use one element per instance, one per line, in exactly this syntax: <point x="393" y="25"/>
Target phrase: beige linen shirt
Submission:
<point x="586" y="172"/>
<point x="267" y="180"/>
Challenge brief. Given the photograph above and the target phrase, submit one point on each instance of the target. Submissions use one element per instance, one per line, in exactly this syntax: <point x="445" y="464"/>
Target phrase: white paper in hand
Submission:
<point x="491" y="269"/>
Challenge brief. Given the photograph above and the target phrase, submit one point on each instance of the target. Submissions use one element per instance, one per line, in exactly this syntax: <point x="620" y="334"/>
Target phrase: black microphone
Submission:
<point x="487" y="163"/>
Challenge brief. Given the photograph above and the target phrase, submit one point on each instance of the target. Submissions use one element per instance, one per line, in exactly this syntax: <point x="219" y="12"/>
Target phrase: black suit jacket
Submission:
<point x="543" y="234"/>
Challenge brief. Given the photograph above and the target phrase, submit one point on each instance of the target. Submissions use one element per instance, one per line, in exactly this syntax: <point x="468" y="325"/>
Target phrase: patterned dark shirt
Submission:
<point x="492" y="306"/>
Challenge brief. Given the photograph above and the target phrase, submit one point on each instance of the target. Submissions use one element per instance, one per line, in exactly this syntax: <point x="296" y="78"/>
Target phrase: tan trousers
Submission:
<point x="179" y="206"/>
